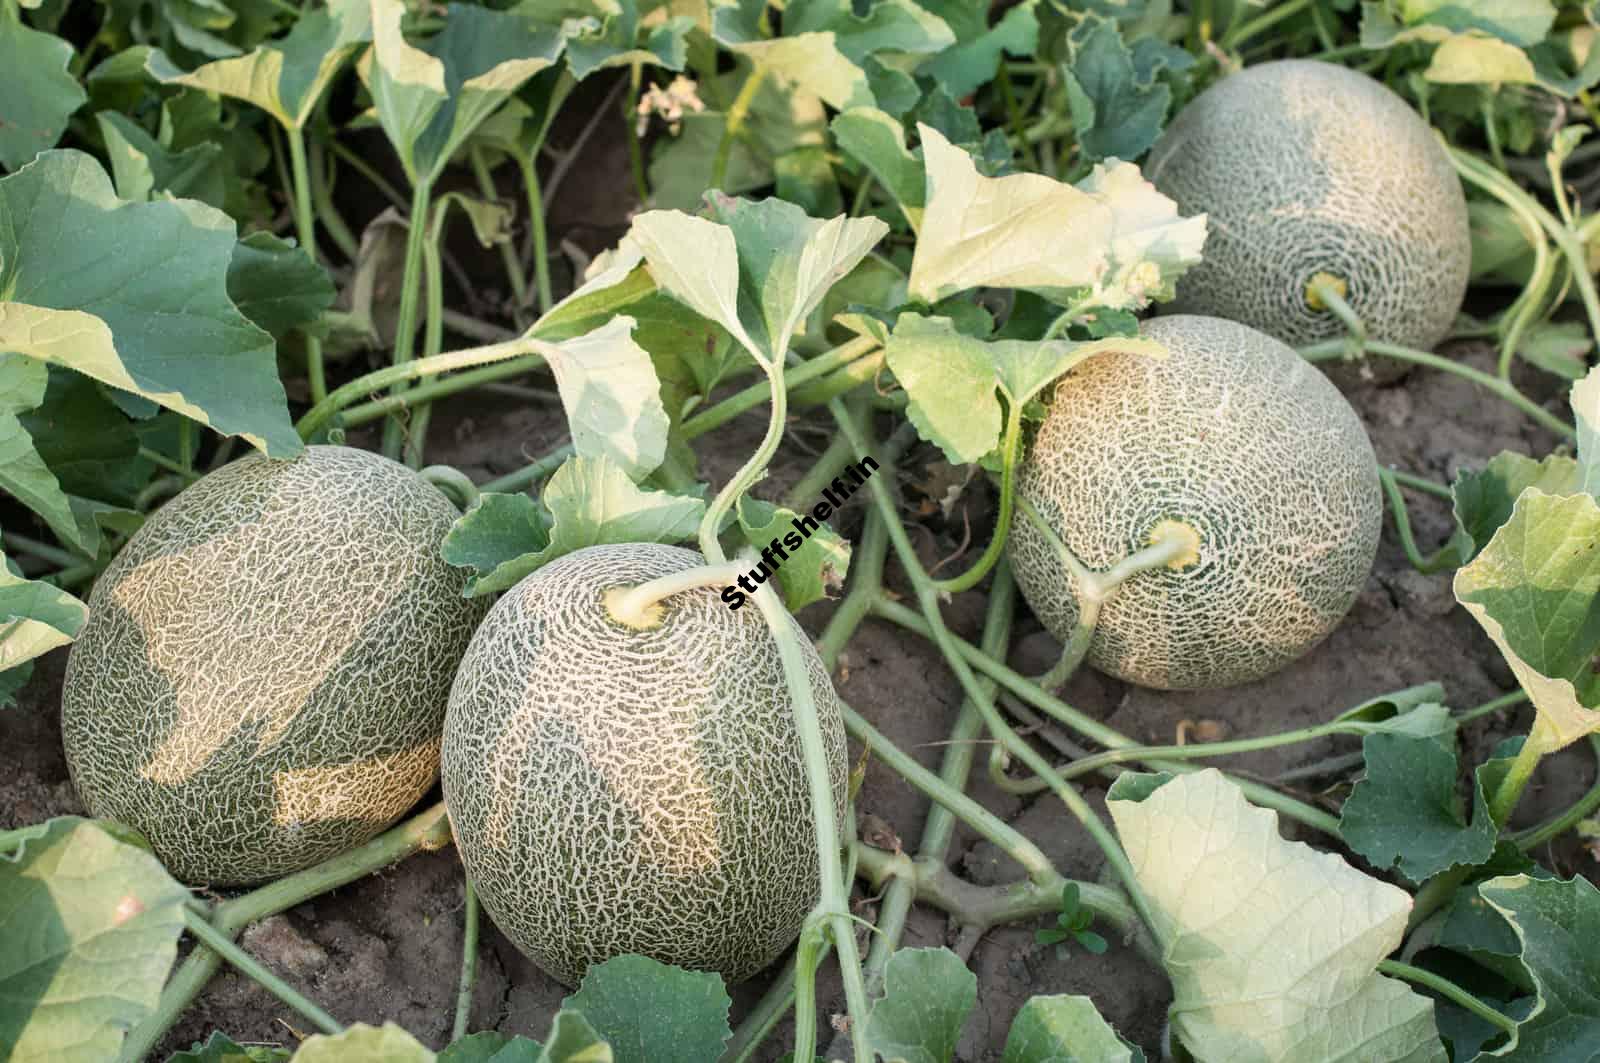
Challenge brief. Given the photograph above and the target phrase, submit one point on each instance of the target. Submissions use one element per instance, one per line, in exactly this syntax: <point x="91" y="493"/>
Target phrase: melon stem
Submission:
<point x="1010" y="448"/>
<point x="833" y="908"/>
<point x="639" y="607"/>
<point x="751" y="470"/>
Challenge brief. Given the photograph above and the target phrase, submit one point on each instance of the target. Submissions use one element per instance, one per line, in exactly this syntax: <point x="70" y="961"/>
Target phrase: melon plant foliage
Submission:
<point x="1096" y="285"/>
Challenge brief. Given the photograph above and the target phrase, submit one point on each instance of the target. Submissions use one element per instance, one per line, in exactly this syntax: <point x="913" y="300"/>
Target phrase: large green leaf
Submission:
<point x="23" y="473"/>
<point x="35" y="617"/>
<point x="1519" y="22"/>
<point x="135" y="295"/>
<point x="972" y="61"/>
<point x="1536" y="590"/>
<point x="1405" y="812"/>
<point x="40" y="93"/>
<point x="430" y="99"/>
<point x="91" y="927"/>
<point x="1271" y="946"/>
<point x="927" y="995"/>
<point x="1065" y="1029"/>
<point x="284" y="78"/>
<point x="1115" y="115"/>
<point x="601" y="34"/>
<point x="361" y="1043"/>
<point x="758" y="270"/>
<point x="649" y="1012"/>
<point x="571" y="1040"/>
<point x="587" y="502"/>
<point x="1557" y="924"/>
<point x="954" y="380"/>
<point x="1111" y="241"/>
<point x="810" y="62"/>
<point x="276" y="284"/>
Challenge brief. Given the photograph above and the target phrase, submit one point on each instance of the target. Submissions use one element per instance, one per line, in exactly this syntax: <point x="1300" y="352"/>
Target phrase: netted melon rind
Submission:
<point x="262" y="680"/>
<point x="618" y="791"/>
<point x="1243" y="440"/>
<point x="1305" y="167"/>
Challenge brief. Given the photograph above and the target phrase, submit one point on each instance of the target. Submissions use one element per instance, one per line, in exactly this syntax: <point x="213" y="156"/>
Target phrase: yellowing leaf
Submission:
<point x="1271" y="946"/>
<point x="1536" y="590"/>
<point x="1112" y="241"/>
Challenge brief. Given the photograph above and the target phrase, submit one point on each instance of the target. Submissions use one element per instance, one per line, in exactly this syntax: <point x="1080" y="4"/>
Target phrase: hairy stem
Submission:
<point x="541" y="237"/>
<point x="1010" y="447"/>
<point x="508" y="254"/>
<point x="734" y="124"/>
<point x="405" y="336"/>
<point x="252" y="968"/>
<point x="1449" y="990"/>
<point x="469" y="965"/>
<point x="750" y="471"/>
<point x="305" y="226"/>
<point x="428" y="830"/>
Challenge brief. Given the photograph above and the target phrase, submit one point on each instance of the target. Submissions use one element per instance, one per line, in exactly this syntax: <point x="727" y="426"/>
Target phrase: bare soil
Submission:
<point x="387" y="948"/>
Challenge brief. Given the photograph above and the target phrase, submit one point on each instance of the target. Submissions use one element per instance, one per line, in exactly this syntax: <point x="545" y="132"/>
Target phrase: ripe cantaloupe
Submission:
<point x="615" y="791"/>
<point x="1303" y="168"/>
<point x="1235" y="436"/>
<point x="262" y="680"/>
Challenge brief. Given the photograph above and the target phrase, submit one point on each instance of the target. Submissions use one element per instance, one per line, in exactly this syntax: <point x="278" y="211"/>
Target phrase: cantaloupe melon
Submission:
<point x="1303" y="168"/>
<point x="1235" y="436"/>
<point x="262" y="679"/>
<point x="616" y="790"/>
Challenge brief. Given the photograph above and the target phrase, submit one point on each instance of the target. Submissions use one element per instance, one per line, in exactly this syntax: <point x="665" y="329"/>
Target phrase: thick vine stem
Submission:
<point x="1448" y="989"/>
<point x="405" y="336"/>
<point x="305" y="228"/>
<point x="248" y="965"/>
<point x="985" y="907"/>
<point x="750" y="471"/>
<point x="1065" y="714"/>
<point x="1331" y="349"/>
<point x="457" y="485"/>
<point x="323" y="412"/>
<point x="1443" y="558"/>
<point x="833" y="906"/>
<point x="1505" y="797"/>
<point x="928" y="599"/>
<point x="639" y="607"/>
<point x="469" y="964"/>
<point x="1009" y="447"/>
<point x="1565" y="821"/>
<point x="429" y="830"/>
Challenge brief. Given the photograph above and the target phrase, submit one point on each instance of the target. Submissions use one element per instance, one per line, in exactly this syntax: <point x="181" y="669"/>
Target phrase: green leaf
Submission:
<point x="143" y="167"/>
<point x="12" y="680"/>
<point x="1271" y="946"/>
<point x="134" y="295"/>
<point x="1472" y="60"/>
<point x="91" y="926"/>
<point x="40" y="93"/>
<point x="587" y="502"/>
<point x="927" y="995"/>
<point x="878" y="142"/>
<point x="571" y="1040"/>
<point x="1414" y="711"/>
<point x="429" y="100"/>
<point x="899" y="27"/>
<point x="23" y="473"/>
<point x="812" y="572"/>
<point x="284" y="78"/>
<point x="1586" y="413"/>
<point x="276" y="284"/>
<point x="1483" y="498"/>
<point x="85" y="440"/>
<point x="601" y="34"/>
<point x="483" y="1047"/>
<point x="361" y="1043"/>
<point x="1112" y="241"/>
<point x="1065" y="1029"/>
<point x="35" y="618"/>
<point x="972" y="61"/>
<point x="1112" y="113"/>
<point x="1404" y="813"/>
<point x="649" y="1012"/>
<point x="1557" y="924"/>
<point x="1536" y="590"/>
<point x="952" y="378"/>
<point x="805" y="178"/>
<point x="759" y="270"/>
<point x="220" y="1048"/>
